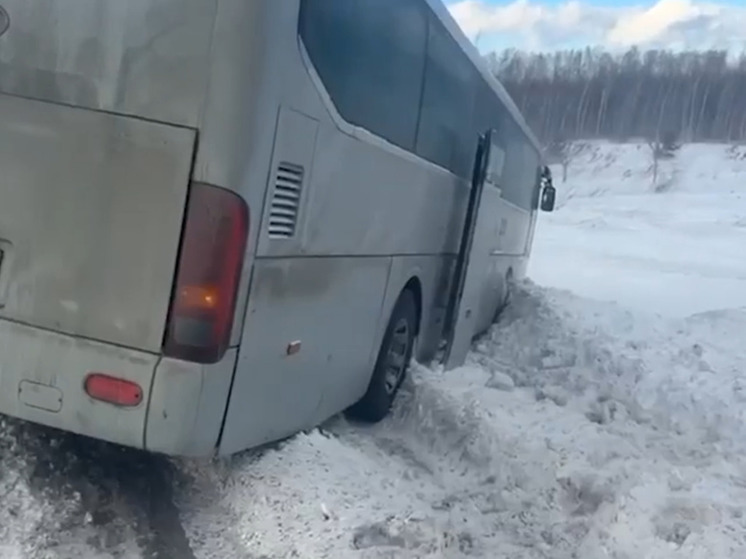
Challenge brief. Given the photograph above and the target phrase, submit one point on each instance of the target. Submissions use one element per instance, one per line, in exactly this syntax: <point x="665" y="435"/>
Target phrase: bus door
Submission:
<point x="473" y="258"/>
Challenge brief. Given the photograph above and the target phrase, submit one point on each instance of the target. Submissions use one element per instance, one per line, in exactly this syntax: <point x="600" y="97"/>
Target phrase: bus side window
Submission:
<point x="449" y="100"/>
<point x="370" y="55"/>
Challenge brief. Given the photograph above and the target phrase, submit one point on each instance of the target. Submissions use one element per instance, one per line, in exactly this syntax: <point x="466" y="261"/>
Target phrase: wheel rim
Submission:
<point x="398" y="351"/>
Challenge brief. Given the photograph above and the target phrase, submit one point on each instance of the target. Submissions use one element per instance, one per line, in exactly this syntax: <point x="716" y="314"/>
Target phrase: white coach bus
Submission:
<point x="224" y="221"/>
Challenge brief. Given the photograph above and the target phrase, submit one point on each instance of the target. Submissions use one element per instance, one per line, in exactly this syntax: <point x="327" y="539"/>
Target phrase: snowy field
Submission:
<point x="602" y="417"/>
<point x="676" y="248"/>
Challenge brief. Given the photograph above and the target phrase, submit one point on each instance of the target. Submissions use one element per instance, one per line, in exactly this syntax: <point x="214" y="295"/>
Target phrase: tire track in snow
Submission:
<point x="91" y="499"/>
<point x="478" y="486"/>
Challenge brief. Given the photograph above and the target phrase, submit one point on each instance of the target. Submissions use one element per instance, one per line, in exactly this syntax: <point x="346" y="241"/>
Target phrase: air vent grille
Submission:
<point x="283" y="215"/>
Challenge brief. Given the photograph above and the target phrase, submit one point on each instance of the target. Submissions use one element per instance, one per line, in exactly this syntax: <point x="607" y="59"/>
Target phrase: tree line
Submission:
<point x="655" y="94"/>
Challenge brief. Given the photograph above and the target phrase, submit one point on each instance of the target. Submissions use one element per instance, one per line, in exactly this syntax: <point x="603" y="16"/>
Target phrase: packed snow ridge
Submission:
<point x="601" y="417"/>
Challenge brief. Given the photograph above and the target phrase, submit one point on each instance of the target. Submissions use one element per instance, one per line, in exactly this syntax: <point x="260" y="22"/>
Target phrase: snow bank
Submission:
<point x="683" y="375"/>
<point x="577" y="430"/>
<point x="603" y="168"/>
<point x="624" y="432"/>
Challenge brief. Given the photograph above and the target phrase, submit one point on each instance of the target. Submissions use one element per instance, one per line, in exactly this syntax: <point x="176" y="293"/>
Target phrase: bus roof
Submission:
<point x="477" y="60"/>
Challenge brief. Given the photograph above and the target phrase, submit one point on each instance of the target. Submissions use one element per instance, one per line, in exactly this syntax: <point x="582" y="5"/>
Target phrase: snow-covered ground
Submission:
<point x="602" y="417"/>
<point x="675" y="248"/>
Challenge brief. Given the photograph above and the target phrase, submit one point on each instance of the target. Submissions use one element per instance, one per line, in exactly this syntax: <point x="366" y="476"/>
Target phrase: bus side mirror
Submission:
<point x="548" y="192"/>
<point x="548" y="196"/>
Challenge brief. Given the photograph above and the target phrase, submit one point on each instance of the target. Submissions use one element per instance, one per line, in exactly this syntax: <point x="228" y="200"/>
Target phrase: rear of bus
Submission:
<point x="118" y="274"/>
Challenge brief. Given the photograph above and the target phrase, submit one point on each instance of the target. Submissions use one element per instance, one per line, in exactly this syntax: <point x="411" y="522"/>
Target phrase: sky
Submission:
<point x="548" y="25"/>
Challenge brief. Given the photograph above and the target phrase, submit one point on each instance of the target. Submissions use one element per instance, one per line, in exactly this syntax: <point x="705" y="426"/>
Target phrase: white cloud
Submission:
<point x="673" y="24"/>
<point x="475" y="16"/>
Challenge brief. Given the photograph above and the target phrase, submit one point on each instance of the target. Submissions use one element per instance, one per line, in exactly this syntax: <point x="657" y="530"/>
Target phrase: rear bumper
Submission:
<point x="187" y="406"/>
<point x="42" y="375"/>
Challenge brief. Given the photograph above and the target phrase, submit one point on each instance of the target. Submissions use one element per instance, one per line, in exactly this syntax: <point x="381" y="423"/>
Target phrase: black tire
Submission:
<point x="384" y="384"/>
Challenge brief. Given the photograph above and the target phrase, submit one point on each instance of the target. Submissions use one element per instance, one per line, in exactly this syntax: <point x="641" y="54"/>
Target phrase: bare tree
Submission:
<point x="669" y="144"/>
<point x="563" y="152"/>
<point x="655" y="152"/>
<point x="662" y="146"/>
<point x="594" y="94"/>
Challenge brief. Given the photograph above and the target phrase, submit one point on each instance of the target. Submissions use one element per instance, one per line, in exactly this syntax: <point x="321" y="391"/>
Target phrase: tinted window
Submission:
<point x="445" y="134"/>
<point x="521" y="158"/>
<point x="530" y="181"/>
<point x="521" y="161"/>
<point x="537" y="185"/>
<point x="370" y="54"/>
<point x="490" y="112"/>
<point x="392" y="68"/>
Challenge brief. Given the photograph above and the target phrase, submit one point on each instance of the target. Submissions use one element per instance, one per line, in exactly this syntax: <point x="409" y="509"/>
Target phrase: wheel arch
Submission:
<point x="374" y="403"/>
<point x="414" y="285"/>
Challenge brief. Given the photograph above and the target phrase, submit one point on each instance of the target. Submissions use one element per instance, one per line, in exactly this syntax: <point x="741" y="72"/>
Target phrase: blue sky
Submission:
<point x="558" y="24"/>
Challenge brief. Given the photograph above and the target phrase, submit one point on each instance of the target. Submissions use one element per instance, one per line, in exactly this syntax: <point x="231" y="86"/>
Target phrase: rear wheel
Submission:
<point x="392" y="362"/>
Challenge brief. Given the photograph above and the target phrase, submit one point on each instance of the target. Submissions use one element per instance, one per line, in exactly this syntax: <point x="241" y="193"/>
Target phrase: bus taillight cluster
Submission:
<point x="209" y="270"/>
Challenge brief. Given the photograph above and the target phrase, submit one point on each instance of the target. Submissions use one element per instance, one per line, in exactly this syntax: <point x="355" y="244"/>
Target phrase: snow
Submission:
<point x="601" y="417"/>
<point x="674" y="250"/>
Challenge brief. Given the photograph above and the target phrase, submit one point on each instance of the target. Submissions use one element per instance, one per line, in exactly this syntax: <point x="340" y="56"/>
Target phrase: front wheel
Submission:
<point x="392" y="362"/>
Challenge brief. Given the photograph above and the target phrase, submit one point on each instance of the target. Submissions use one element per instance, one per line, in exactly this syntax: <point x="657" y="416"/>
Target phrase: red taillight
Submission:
<point x="204" y="298"/>
<point x="113" y="390"/>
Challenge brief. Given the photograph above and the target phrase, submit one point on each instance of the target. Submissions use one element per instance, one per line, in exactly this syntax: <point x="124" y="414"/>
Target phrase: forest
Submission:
<point x="655" y="94"/>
